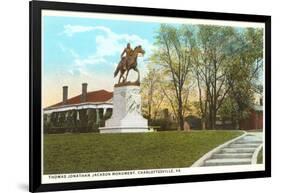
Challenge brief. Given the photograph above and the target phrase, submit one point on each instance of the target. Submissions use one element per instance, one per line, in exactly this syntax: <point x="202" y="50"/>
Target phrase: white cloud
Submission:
<point x="108" y="44"/>
<point x="70" y="30"/>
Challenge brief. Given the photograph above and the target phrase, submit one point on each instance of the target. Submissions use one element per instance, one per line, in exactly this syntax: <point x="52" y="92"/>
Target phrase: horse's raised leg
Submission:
<point x="120" y="76"/>
<point x="137" y="70"/>
<point x="127" y="72"/>
<point x="123" y="78"/>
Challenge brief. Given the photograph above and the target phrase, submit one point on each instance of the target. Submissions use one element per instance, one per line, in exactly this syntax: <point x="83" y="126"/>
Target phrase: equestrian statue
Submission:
<point x="128" y="61"/>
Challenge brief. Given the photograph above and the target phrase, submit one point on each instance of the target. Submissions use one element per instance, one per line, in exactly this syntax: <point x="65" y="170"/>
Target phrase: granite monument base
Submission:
<point x="126" y="116"/>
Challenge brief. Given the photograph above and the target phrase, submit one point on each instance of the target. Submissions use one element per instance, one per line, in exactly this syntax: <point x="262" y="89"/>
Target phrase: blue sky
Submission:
<point x="77" y="50"/>
<point x="67" y="39"/>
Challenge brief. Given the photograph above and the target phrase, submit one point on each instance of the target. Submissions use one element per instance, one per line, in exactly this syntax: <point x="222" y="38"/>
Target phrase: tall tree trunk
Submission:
<point x="211" y="118"/>
<point x="180" y="113"/>
<point x="214" y="118"/>
<point x="206" y="111"/>
<point x="149" y="112"/>
<point x="203" y="121"/>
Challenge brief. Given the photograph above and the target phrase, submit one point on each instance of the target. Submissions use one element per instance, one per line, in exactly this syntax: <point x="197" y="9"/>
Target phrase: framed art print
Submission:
<point x="125" y="96"/>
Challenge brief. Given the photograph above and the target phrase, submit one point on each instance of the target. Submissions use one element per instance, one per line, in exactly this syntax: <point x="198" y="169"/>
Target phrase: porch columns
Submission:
<point x="97" y="116"/>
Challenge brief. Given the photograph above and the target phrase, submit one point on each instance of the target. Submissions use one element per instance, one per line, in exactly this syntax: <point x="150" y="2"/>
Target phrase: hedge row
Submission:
<point x="71" y="121"/>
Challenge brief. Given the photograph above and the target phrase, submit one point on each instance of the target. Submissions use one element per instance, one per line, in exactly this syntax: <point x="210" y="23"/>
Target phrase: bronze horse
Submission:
<point x="128" y="63"/>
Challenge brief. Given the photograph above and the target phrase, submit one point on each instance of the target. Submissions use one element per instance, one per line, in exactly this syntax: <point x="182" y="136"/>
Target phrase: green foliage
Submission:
<point x="77" y="121"/>
<point x="163" y="124"/>
<point x="152" y="96"/>
<point x="244" y="72"/>
<point x="173" y="58"/>
<point x="225" y="62"/>
<point x="74" y="153"/>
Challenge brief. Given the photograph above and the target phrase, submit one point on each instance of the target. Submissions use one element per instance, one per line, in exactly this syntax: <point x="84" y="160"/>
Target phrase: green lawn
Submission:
<point x="93" y="152"/>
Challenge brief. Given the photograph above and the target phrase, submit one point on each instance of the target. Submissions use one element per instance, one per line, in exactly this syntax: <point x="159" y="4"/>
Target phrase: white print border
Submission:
<point x="132" y="174"/>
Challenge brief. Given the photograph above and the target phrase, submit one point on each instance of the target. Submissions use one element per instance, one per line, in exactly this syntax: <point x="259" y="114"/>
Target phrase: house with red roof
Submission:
<point x="82" y="113"/>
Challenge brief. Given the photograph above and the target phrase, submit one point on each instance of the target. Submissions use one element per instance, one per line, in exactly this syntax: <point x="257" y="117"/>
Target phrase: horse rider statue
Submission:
<point x="129" y="52"/>
<point x="128" y="62"/>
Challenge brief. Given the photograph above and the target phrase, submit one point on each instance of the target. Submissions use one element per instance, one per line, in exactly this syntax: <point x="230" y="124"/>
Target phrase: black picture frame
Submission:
<point x="35" y="121"/>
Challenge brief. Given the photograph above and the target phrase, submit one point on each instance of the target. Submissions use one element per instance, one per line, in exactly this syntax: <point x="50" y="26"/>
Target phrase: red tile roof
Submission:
<point x="94" y="96"/>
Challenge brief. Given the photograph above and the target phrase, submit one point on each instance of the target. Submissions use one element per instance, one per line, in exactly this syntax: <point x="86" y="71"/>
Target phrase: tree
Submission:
<point x="225" y="62"/>
<point x="152" y="93"/>
<point x="174" y="58"/>
<point x="209" y="59"/>
<point x="244" y="73"/>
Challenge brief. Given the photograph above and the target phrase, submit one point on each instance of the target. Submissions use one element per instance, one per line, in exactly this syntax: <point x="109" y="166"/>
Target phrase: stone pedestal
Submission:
<point x="126" y="116"/>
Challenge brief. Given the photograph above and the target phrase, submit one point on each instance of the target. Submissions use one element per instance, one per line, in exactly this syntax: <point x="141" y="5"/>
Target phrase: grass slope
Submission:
<point x="92" y="152"/>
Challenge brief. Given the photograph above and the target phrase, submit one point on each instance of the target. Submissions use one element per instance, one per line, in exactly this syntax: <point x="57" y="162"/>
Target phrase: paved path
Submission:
<point x="239" y="152"/>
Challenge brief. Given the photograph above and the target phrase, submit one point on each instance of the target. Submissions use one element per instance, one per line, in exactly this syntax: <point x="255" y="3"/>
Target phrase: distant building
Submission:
<point x="82" y="113"/>
<point x="254" y="120"/>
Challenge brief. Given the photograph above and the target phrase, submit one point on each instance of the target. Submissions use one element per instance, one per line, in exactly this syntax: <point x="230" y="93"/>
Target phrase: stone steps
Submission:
<point x="231" y="155"/>
<point x="225" y="162"/>
<point x="252" y="140"/>
<point x="244" y="145"/>
<point x="244" y="142"/>
<point x="239" y="152"/>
